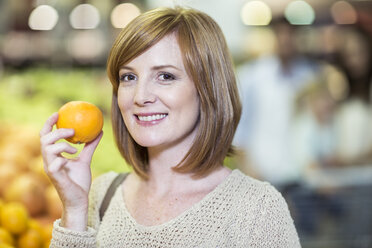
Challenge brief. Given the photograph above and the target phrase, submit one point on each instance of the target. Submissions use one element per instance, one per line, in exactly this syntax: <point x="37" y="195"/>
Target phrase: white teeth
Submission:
<point x="151" y="117"/>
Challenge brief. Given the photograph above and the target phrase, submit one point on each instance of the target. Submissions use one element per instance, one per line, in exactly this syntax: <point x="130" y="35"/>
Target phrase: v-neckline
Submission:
<point x="195" y="206"/>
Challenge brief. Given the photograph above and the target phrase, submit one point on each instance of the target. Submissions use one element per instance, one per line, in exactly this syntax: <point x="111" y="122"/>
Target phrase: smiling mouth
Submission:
<point x="151" y="117"/>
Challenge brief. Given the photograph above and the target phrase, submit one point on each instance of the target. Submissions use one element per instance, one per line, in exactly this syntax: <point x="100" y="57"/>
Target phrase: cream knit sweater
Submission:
<point x="240" y="212"/>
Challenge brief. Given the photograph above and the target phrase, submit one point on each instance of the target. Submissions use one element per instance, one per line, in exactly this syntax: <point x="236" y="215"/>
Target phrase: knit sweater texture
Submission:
<point x="239" y="212"/>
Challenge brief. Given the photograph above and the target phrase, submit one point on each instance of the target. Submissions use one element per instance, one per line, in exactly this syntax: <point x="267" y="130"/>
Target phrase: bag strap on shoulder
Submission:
<point x="110" y="192"/>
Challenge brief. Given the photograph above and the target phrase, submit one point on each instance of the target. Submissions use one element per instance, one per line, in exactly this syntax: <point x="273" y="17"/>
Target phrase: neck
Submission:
<point x="163" y="158"/>
<point x="163" y="180"/>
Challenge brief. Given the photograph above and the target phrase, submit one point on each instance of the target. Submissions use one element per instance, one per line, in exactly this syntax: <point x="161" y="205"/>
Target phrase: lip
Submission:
<point x="152" y="122"/>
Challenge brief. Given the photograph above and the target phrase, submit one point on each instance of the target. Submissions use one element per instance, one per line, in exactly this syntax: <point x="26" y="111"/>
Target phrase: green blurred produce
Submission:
<point x="29" y="97"/>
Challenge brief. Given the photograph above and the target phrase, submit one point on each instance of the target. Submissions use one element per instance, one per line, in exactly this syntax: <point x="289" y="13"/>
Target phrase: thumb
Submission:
<point x="87" y="153"/>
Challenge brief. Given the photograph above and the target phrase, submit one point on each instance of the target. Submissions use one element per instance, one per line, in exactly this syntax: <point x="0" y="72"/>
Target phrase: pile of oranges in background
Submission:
<point x="18" y="229"/>
<point x="29" y="204"/>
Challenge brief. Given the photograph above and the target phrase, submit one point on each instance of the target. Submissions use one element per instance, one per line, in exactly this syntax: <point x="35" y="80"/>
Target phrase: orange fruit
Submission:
<point x="47" y="233"/>
<point x="84" y="117"/>
<point x="46" y="245"/>
<point x="14" y="218"/>
<point x="27" y="189"/>
<point x="8" y="172"/>
<point x="30" y="239"/>
<point x="1" y="207"/>
<point x="6" y="237"/>
<point x="5" y="245"/>
<point x="35" y="225"/>
<point x="54" y="203"/>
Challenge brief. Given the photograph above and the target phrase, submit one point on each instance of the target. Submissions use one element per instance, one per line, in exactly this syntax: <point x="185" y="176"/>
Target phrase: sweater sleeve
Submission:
<point x="274" y="224"/>
<point x="63" y="237"/>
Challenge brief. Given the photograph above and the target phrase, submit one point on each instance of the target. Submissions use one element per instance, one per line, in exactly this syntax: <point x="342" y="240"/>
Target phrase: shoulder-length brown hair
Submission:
<point x="209" y="64"/>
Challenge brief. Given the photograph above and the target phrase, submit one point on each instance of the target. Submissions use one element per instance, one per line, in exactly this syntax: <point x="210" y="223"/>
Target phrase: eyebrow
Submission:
<point x="165" y="66"/>
<point x="158" y="67"/>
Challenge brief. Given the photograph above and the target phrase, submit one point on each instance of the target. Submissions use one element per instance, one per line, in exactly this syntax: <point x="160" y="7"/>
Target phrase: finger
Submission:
<point x="51" y="152"/>
<point x="59" y="148"/>
<point x="89" y="148"/>
<point x="56" y="135"/>
<point x="55" y="166"/>
<point x="57" y="173"/>
<point x="48" y="125"/>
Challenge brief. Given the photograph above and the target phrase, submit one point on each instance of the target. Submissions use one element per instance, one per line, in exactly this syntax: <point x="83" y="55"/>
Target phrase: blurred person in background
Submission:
<point x="315" y="122"/>
<point x="332" y="135"/>
<point x="355" y="115"/>
<point x="268" y="87"/>
<point x="354" y="120"/>
<point x="175" y="109"/>
<point x="314" y="145"/>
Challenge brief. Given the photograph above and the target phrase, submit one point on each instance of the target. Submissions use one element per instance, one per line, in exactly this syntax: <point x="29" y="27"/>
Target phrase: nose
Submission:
<point x="143" y="94"/>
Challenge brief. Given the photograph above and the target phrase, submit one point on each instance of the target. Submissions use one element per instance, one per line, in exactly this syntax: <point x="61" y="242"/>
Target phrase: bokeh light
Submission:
<point x="343" y="13"/>
<point x="43" y="17"/>
<point x="299" y="13"/>
<point x="16" y="46"/>
<point x="337" y="83"/>
<point x="256" y="13"/>
<point x="84" y="16"/>
<point x="87" y="45"/>
<point x="123" y="13"/>
<point x="258" y="42"/>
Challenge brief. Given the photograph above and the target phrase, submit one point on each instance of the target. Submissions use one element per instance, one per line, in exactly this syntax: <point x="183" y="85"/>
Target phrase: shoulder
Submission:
<point x="253" y="192"/>
<point x="246" y="185"/>
<point x="248" y="194"/>
<point x="97" y="192"/>
<point x="262" y="214"/>
<point x="101" y="183"/>
<point x="104" y="180"/>
<point x="255" y="199"/>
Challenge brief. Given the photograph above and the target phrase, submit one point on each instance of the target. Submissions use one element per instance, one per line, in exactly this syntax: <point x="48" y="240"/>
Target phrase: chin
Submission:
<point x="146" y="141"/>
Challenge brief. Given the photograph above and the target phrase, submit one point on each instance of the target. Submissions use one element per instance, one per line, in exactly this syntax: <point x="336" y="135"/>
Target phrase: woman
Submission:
<point x="175" y="109"/>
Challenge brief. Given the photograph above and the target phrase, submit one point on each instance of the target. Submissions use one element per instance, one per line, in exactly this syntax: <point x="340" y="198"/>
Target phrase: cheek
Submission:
<point x="194" y="106"/>
<point x="190" y="105"/>
<point x="195" y="102"/>
<point x="124" y="103"/>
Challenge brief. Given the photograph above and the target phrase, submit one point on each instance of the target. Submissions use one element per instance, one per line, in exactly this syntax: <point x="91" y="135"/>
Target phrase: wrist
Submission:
<point x="75" y="218"/>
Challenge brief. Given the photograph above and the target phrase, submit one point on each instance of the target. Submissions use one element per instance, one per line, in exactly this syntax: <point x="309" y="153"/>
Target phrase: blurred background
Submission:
<point x="304" y="70"/>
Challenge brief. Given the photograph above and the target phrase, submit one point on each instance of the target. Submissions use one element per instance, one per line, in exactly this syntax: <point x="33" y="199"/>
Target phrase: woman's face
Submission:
<point x="157" y="99"/>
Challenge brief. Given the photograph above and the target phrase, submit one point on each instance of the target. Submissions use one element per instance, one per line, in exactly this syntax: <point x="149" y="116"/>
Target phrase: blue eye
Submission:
<point x="166" y="77"/>
<point x="127" y="77"/>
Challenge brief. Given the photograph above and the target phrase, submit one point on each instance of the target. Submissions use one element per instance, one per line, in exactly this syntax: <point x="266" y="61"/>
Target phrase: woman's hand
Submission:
<point x="71" y="177"/>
